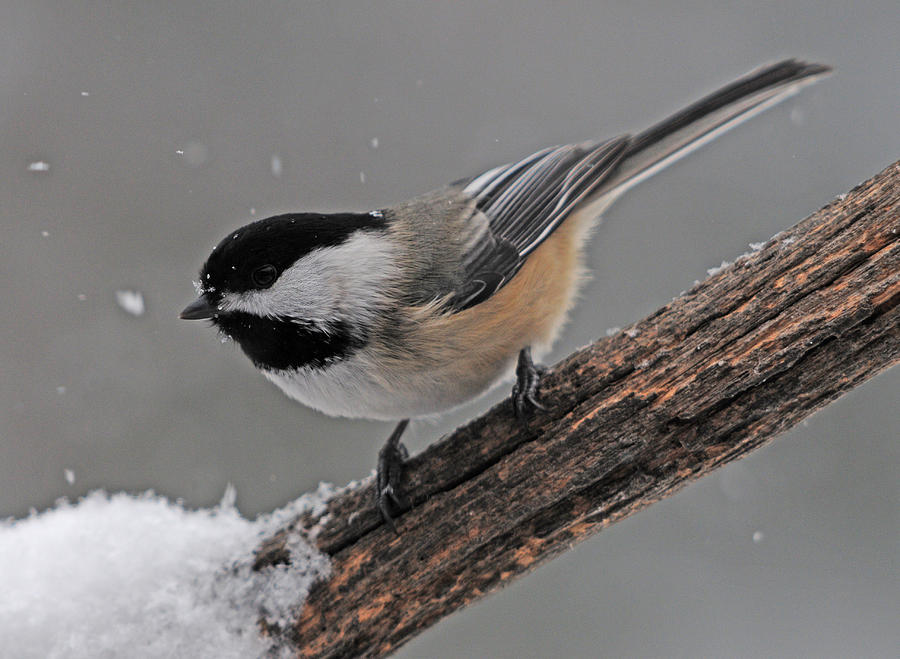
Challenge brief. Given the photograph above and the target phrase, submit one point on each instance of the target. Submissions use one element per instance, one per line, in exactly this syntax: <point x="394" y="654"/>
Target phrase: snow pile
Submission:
<point x="140" y="576"/>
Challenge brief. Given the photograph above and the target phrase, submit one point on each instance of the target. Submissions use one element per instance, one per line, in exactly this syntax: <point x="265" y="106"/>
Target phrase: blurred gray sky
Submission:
<point x="108" y="94"/>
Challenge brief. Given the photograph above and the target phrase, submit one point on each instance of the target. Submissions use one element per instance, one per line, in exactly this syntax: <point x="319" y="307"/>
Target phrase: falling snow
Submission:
<point x="131" y="301"/>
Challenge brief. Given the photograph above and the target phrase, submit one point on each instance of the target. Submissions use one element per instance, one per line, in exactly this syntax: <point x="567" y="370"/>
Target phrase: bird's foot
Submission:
<point x="528" y="379"/>
<point x="390" y="498"/>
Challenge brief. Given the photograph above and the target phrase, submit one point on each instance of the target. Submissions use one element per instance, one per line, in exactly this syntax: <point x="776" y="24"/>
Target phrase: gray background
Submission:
<point x="448" y="90"/>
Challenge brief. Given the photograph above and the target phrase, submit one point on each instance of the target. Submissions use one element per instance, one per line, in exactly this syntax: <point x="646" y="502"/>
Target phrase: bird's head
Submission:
<point x="295" y="290"/>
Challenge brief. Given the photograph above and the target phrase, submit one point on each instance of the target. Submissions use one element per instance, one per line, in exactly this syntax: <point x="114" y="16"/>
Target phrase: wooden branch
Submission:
<point x="631" y="419"/>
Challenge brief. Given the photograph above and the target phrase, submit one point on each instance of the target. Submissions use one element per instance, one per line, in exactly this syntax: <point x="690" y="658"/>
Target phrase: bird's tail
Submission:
<point x="703" y="121"/>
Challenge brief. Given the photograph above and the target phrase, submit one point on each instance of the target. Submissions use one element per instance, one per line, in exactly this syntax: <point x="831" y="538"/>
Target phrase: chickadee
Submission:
<point x="414" y="309"/>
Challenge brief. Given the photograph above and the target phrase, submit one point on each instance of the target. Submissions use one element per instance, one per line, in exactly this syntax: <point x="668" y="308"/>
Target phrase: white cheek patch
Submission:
<point x="346" y="282"/>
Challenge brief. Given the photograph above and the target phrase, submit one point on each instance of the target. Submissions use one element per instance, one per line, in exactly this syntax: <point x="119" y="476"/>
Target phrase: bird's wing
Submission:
<point x="523" y="203"/>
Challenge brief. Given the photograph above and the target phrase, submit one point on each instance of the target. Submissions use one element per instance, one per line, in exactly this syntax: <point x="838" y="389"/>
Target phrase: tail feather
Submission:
<point x="686" y="130"/>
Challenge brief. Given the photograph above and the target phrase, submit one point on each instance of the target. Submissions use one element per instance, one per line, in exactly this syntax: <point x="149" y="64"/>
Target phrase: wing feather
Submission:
<point x="523" y="203"/>
<point x="514" y="208"/>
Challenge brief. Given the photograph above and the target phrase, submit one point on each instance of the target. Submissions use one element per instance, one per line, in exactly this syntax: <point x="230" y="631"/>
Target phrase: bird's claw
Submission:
<point x="528" y="379"/>
<point x="389" y="496"/>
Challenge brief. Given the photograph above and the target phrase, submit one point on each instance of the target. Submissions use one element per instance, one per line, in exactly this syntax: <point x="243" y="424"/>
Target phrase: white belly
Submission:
<point x="354" y="388"/>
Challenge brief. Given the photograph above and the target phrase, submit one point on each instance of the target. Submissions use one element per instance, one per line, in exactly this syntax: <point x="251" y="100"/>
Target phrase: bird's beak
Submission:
<point x="199" y="309"/>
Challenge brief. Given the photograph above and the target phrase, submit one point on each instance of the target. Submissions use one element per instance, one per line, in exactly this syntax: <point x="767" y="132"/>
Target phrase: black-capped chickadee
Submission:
<point x="412" y="310"/>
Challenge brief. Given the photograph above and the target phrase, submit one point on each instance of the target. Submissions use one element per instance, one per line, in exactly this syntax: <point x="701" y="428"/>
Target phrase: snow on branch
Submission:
<point x="140" y="576"/>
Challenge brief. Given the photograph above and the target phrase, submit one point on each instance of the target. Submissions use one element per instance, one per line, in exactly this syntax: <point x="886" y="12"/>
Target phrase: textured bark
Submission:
<point x="631" y="419"/>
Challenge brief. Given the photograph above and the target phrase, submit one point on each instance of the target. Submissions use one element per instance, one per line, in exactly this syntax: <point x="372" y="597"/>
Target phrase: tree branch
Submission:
<point x="631" y="419"/>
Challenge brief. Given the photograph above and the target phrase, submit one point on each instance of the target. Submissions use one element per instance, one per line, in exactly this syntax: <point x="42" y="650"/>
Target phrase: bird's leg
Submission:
<point x="389" y="495"/>
<point x="528" y="378"/>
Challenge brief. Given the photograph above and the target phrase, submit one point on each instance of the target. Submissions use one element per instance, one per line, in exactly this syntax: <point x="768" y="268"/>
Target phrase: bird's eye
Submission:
<point x="264" y="276"/>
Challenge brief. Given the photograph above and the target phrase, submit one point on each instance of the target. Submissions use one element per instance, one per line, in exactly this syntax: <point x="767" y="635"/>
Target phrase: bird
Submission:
<point x="411" y="310"/>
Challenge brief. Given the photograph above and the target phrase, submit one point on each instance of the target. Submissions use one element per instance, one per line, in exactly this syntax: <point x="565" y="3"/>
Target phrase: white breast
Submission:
<point x="357" y="388"/>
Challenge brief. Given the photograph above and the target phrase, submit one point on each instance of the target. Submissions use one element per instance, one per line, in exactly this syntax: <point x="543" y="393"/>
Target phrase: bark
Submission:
<point x="716" y="373"/>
